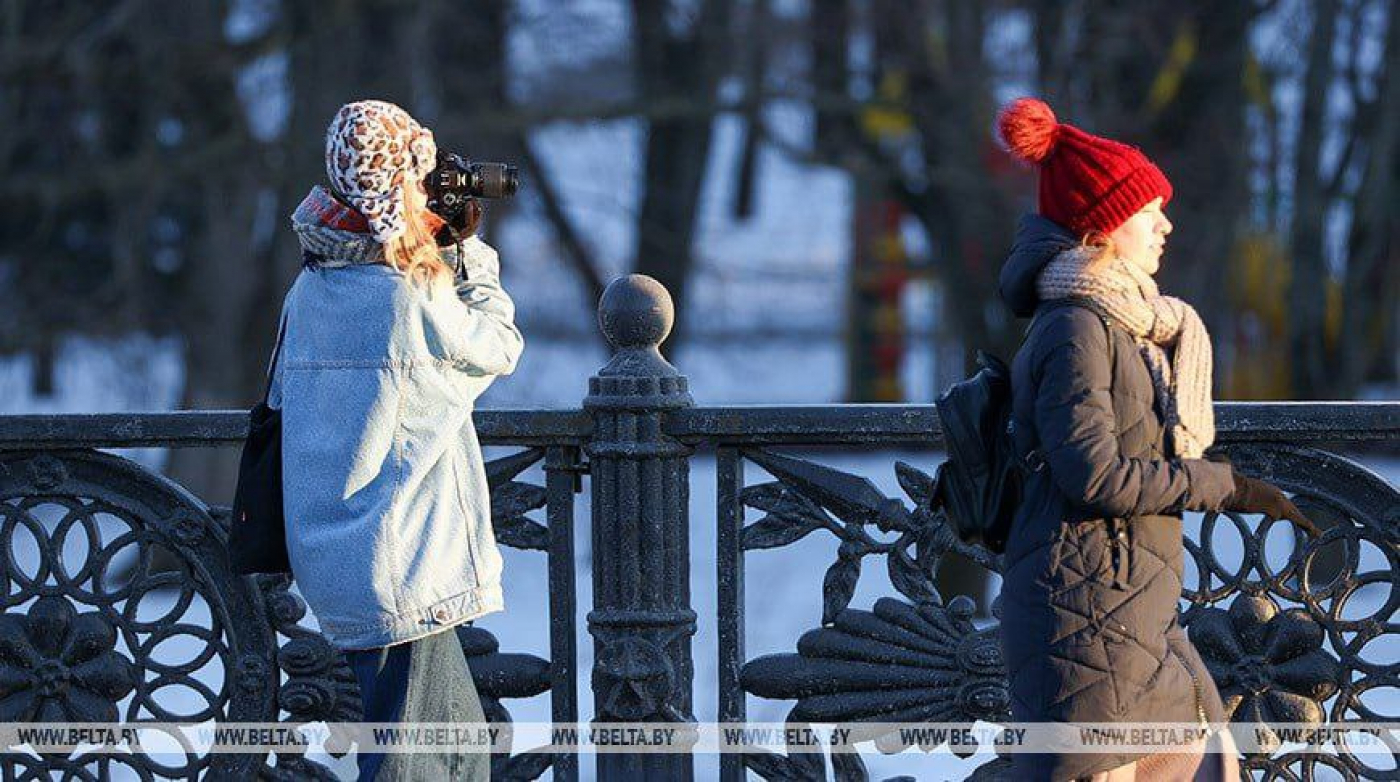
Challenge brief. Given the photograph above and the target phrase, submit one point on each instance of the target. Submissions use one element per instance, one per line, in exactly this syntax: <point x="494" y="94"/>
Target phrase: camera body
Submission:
<point x="455" y="181"/>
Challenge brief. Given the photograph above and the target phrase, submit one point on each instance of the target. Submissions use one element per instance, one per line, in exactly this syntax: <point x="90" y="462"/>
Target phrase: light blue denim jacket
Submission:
<point x="388" y="514"/>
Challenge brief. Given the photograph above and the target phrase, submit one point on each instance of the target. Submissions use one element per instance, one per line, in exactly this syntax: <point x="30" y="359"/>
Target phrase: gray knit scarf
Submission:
<point x="1130" y="297"/>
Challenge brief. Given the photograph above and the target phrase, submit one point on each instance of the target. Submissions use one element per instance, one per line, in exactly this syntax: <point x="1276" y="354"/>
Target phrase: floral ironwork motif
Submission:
<point x="57" y="665"/>
<point x="120" y="606"/>
<point x="808" y="497"/>
<point x="922" y="660"/>
<point x="1329" y="606"/>
<point x="1269" y="665"/>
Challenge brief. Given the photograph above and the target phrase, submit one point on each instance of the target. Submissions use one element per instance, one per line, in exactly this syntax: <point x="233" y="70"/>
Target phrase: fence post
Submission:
<point x="641" y="620"/>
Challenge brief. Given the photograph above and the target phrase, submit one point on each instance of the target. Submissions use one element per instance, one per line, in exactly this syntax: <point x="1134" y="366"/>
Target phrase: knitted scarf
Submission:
<point x="334" y="236"/>
<point x="1129" y="296"/>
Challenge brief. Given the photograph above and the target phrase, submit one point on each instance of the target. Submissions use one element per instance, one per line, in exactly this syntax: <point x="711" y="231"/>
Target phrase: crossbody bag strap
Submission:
<point x="276" y="353"/>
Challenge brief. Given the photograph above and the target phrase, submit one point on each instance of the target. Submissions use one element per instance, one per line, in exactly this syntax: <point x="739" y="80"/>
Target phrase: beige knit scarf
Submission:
<point x="1129" y="296"/>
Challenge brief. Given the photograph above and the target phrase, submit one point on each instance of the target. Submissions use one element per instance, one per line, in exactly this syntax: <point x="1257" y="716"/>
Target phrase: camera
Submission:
<point x="454" y="181"/>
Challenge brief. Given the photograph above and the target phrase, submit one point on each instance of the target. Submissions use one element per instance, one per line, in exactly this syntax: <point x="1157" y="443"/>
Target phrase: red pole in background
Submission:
<point x="879" y="276"/>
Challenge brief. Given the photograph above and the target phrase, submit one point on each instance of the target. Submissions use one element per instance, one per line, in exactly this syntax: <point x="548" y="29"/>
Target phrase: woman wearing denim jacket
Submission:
<point x="388" y="342"/>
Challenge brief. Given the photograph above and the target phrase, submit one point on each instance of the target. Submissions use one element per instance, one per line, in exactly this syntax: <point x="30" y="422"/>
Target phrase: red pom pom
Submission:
<point x="1028" y="128"/>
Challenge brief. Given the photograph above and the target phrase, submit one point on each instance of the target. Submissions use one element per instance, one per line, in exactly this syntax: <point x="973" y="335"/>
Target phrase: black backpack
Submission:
<point x="980" y="484"/>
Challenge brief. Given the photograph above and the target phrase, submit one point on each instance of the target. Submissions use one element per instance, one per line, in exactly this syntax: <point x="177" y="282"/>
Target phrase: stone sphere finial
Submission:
<point x="635" y="312"/>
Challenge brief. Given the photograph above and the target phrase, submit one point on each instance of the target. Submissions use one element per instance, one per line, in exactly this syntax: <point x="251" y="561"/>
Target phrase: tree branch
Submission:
<point x="574" y="249"/>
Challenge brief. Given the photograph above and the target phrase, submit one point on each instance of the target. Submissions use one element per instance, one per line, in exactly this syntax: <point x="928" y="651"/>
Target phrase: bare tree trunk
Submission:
<point x="1307" y="295"/>
<point x="949" y="101"/>
<point x="224" y="296"/>
<point x="221" y="293"/>
<point x="830" y="22"/>
<point x="1197" y="135"/>
<point x="670" y="64"/>
<point x="1372" y="285"/>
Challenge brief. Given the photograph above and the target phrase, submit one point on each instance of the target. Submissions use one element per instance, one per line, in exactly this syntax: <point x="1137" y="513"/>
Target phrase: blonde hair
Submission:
<point x="414" y="252"/>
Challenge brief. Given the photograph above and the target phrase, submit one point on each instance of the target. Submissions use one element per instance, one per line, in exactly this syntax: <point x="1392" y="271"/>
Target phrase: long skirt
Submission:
<point x="424" y="680"/>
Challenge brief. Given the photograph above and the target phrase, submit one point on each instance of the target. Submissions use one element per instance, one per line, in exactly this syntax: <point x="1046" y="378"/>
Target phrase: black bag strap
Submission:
<point x="276" y="352"/>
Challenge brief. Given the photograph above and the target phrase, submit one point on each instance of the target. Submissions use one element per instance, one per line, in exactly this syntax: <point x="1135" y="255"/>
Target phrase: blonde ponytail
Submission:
<point x="414" y="251"/>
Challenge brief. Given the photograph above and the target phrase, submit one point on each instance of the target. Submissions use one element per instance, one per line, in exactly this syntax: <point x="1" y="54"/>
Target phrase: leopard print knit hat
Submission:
<point x="374" y="149"/>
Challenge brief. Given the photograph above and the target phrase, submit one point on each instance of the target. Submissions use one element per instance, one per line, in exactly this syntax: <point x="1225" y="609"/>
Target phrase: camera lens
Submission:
<point x="495" y="180"/>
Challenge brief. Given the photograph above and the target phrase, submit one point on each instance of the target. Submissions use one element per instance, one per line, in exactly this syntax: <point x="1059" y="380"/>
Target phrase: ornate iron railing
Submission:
<point x="87" y="615"/>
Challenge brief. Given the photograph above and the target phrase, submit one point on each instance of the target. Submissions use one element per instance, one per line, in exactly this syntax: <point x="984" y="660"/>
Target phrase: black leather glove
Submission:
<point x="1252" y="495"/>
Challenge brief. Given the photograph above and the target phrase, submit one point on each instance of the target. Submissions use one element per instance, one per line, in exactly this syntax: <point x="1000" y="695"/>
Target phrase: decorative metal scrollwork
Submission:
<point x="923" y="660"/>
<point x="499" y="676"/>
<point x="316" y="683"/>
<point x="807" y="496"/>
<point x="1309" y="637"/>
<point x="496" y="675"/>
<point x="120" y="605"/>
<point x="512" y="499"/>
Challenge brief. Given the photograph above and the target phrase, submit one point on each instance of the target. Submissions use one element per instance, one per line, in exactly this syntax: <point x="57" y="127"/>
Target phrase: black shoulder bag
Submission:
<point x="257" y="540"/>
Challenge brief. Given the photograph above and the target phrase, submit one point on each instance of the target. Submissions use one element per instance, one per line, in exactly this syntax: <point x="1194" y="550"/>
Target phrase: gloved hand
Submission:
<point x="1252" y="495"/>
<point x="462" y="226"/>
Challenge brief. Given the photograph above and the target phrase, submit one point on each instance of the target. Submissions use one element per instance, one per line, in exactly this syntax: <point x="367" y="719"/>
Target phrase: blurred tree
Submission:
<point x="124" y="214"/>
<point x="1368" y="349"/>
<point x="679" y="53"/>
<point x="1307" y="294"/>
<point x="152" y="151"/>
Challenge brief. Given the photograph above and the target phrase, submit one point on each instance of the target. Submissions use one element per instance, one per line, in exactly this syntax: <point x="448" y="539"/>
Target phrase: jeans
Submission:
<point x="424" y="680"/>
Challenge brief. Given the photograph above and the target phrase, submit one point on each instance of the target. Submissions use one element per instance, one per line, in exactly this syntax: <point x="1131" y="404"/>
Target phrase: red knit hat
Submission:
<point x="1087" y="183"/>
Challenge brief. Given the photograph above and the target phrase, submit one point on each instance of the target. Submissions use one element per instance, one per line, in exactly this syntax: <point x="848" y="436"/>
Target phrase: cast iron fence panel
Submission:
<point x="89" y="623"/>
<point x="1291" y="647"/>
<point x="87" y="617"/>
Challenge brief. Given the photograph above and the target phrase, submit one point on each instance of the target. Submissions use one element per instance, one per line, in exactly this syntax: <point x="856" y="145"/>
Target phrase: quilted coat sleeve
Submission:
<point x="490" y="342"/>
<point x="1075" y="421"/>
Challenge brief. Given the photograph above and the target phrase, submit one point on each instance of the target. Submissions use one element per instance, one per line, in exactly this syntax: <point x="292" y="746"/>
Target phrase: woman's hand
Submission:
<point x="1252" y="495"/>
<point x="462" y="226"/>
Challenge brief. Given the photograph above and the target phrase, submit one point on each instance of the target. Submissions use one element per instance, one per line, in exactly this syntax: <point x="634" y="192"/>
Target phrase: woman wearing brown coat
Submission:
<point x="1112" y="408"/>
